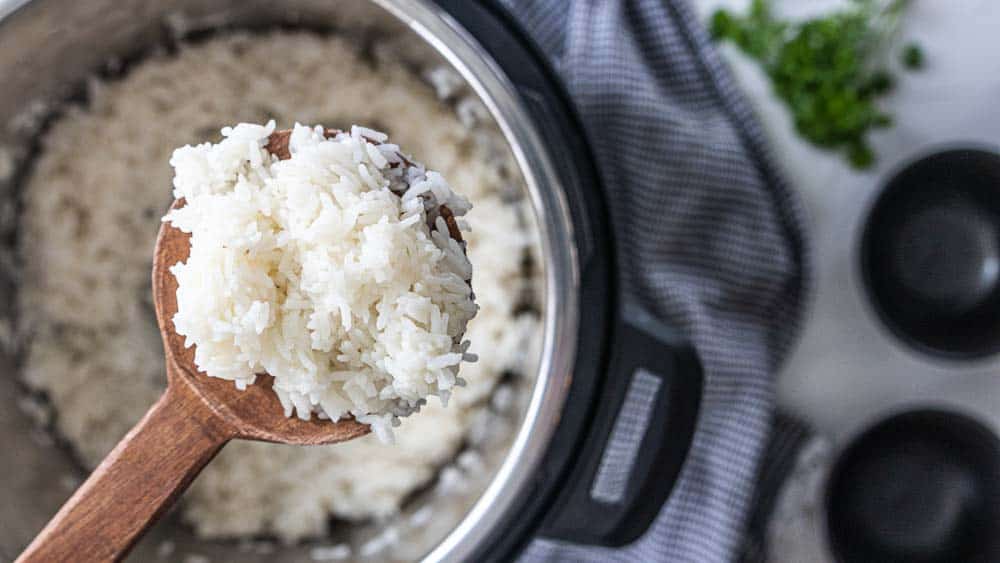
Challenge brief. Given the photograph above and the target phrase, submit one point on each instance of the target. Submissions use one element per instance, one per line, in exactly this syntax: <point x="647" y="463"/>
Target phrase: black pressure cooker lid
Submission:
<point x="624" y="356"/>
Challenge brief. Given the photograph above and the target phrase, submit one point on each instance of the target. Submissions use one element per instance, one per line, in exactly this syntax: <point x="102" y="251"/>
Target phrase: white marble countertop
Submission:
<point x="846" y="368"/>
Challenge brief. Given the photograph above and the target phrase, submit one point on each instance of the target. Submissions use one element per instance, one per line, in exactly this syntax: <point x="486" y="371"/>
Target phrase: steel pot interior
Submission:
<point x="48" y="48"/>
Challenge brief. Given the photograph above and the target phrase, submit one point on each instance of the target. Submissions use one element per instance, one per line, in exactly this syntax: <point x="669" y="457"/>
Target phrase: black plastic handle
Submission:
<point x="613" y="344"/>
<point x="638" y="440"/>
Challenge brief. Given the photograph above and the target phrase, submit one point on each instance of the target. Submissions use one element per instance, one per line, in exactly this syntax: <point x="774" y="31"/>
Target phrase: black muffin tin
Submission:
<point x="922" y="486"/>
<point x="930" y="253"/>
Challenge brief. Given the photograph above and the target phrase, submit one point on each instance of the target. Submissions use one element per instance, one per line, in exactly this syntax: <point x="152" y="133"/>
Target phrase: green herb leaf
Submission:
<point x="913" y="57"/>
<point x="823" y="69"/>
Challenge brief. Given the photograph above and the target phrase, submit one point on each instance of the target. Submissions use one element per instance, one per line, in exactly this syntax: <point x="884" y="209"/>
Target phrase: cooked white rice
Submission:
<point x="334" y="271"/>
<point x="88" y="227"/>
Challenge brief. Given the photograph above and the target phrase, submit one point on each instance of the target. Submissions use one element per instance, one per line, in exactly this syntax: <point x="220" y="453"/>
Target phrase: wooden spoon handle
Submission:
<point x="135" y="484"/>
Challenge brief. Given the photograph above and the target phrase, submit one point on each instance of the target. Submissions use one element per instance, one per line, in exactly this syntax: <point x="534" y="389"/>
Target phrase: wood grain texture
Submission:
<point x="134" y="484"/>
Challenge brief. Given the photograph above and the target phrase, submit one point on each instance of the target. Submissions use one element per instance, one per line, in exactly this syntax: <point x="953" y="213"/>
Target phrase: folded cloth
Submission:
<point x="708" y="236"/>
<point x="791" y="439"/>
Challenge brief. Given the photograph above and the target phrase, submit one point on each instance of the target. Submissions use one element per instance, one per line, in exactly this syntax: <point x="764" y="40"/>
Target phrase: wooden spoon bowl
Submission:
<point x="196" y="416"/>
<point x="252" y="414"/>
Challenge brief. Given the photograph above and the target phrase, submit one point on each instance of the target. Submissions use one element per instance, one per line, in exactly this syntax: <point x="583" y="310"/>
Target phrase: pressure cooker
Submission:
<point x="554" y="479"/>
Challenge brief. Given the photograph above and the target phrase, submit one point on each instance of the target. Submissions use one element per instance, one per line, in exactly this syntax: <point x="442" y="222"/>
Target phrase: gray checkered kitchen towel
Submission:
<point x="709" y="236"/>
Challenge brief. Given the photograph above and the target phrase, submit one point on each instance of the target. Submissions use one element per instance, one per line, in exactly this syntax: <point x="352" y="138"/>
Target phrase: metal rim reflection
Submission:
<point x="559" y="256"/>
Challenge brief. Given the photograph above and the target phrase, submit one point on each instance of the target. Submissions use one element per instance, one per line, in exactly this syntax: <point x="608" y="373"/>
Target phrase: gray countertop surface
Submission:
<point x="847" y="368"/>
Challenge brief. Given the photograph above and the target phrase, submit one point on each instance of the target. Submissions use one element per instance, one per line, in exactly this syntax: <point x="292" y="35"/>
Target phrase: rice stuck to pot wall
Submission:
<point x="89" y="224"/>
<point x="334" y="271"/>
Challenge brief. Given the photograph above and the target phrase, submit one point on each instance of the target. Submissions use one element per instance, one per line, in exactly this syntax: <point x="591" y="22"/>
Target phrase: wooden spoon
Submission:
<point x="156" y="461"/>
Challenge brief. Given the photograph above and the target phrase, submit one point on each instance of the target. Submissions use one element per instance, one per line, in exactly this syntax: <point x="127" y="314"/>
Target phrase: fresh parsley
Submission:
<point x="825" y="69"/>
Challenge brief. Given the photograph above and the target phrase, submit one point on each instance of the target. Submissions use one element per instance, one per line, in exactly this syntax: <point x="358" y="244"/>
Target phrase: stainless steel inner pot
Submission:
<point x="49" y="47"/>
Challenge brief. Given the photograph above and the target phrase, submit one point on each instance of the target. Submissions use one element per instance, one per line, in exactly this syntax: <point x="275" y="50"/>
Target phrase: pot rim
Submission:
<point x="562" y="277"/>
<point x="561" y="271"/>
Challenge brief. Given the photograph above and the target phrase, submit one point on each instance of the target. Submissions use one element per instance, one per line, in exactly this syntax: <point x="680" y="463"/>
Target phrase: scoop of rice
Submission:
<point x="333" y="271"/>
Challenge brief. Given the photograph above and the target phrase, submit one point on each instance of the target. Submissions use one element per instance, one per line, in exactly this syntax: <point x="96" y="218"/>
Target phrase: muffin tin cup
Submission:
<point x="930" y="254"/>
<point x="921" y="485"/>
